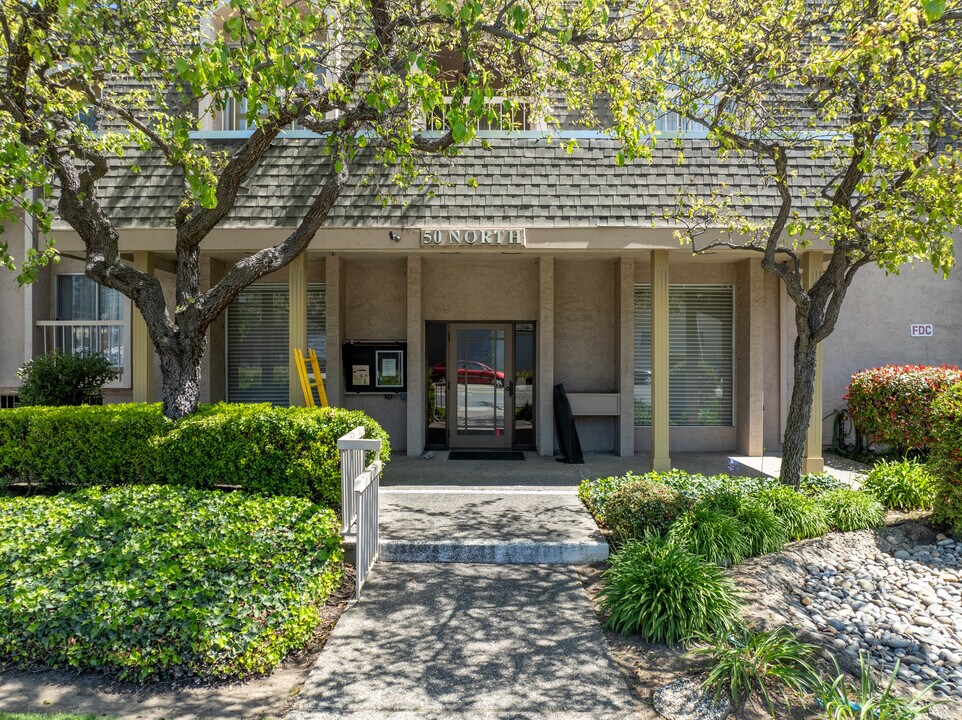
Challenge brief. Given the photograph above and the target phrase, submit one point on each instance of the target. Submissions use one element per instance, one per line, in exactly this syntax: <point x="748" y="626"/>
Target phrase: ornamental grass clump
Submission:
<point x="802" y="516"/>
<point x="850" y="509"/>
<point x="901" y="484"/>
<point x="868" y="700"/>
<point x="710" y="534"/>
<point x="745" y="662"/>
<point x="665" y="593"/>
<point x="640" y="508"/>
<point x="763" y="531"/>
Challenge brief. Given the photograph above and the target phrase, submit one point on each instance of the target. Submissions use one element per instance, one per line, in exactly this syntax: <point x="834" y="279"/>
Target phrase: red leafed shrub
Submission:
<point x="892" y="405"/>
<point x="946" y="459"/>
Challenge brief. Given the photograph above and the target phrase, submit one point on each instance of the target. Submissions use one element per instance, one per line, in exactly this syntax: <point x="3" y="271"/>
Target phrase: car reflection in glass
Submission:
<point x="470" y="372"/>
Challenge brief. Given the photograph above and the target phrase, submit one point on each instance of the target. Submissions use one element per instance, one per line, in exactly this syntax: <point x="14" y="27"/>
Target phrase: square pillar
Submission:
<point x="812" y="264"/>
<point x="417" y="379"/>
<point x="660" y="459"/>
<point x="544" y="383"/>
<point x="142" y="349"/>
<point x="750" y="356"/>
<point x="334" y="329"/>
<point x="625" y="356"/>
<point x="297" y="322"/>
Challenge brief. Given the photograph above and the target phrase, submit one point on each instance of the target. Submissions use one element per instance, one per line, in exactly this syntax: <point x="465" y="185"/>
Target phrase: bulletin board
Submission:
<point x="375" y="367"/>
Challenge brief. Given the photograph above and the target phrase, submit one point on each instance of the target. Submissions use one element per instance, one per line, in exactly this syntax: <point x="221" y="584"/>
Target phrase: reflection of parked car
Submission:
<point x="470" y="373"/>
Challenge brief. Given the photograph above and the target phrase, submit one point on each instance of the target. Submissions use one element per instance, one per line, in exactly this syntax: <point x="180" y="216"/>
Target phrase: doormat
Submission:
<point x="486" y="455"/>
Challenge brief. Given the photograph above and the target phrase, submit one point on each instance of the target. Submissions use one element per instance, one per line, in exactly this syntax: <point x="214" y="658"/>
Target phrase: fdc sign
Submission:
<point x="921" y="330"/>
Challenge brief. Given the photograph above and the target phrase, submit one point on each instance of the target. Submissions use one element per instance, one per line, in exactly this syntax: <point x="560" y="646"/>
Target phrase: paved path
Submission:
<point x="488" y="524"/>
<point x="452" y="641"/>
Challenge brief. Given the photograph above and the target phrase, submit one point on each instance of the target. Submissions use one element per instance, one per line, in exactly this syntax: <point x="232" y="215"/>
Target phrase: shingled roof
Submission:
<point x="520" y="181"/>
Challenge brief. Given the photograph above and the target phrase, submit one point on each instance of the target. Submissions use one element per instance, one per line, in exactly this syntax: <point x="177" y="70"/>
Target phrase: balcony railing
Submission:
<point x="110" y="337"/>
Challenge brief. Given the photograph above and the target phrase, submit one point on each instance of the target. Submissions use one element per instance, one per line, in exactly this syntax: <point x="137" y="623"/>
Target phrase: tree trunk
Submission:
<point x="180" y="373"/>
<point x="799" y="411"/>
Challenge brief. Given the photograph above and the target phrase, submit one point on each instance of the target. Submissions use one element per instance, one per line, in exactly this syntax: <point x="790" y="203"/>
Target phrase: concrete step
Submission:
<point x="490" y="525"/>
<point x="498" y="552"/>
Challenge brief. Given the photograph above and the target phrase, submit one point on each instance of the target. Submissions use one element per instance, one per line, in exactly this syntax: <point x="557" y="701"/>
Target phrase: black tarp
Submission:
<point x="567" y="432"/>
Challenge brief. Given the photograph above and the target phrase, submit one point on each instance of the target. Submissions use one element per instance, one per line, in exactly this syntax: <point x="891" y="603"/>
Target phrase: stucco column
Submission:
<point x="625" y="356"/>
<point x="416" y="390"/>
<point x="750" y="357"/>
<point x="142" y="349"/>
<point x="812" y="263"/>
<point x="334" y="329"/>
<point x="297" y="321"/>
<point x="544" y="383"/>
<point x="660" y="460"/>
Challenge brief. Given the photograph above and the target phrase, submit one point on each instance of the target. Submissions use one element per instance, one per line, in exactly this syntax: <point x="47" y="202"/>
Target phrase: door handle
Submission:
<point x="511" y="388"/>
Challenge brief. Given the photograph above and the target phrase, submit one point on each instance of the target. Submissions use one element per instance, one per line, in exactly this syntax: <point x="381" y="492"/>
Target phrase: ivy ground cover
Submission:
<point x="150" y="582"/>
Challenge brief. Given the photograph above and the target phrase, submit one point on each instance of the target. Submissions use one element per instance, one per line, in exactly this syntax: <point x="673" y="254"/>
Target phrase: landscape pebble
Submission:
<point x="905" y="607"/>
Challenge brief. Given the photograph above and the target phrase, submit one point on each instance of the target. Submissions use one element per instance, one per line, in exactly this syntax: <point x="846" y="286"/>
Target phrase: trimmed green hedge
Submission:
<point x="162" y="582"/>
<point x="265" y="449"/>
<point x="946" y="459"/>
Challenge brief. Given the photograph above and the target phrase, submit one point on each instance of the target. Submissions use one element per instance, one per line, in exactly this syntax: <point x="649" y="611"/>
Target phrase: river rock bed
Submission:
<point x="905" y="605"/>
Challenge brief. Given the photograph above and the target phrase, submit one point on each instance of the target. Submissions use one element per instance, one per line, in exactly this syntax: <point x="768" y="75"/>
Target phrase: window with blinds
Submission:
<point x="258" y="350"/>
<point x="701" y="328"/>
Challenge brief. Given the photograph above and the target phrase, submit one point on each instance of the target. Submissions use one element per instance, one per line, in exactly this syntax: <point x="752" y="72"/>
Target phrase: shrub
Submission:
<point x="151" y="582"/>
<point x="763" y="531"/>
<point x="276" y="451"/>
<point x="665" y="593"/>
<point x="815" y="484"/>
<point x="594" y="493"/>
<point x="64" y="379"/>
<point x="901" y="484"/>
<point x="710" y="534"/>
<point x="265" y="449"/>
<point x="58" y="448"/>
<point x="868" y="701"/>
<point x="893" y="404"/>
<point x="803" y="516"/>
<point x="946" y="459"/>
<point x="641" y="507"/>
<point x="744" y="661"/>
<point x="850" y="509"/>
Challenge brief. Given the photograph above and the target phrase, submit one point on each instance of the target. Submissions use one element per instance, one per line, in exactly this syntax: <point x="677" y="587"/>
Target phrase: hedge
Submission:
<point x="265" y="449"/>
<point x="946" y="459"/>
<point x="153" y="582"/>
<point x="276" y="451"/>
<point x="892" y="405"/>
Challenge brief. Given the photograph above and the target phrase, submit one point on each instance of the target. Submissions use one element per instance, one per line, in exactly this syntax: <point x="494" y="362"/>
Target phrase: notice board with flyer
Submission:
<point x="375" y="366"/>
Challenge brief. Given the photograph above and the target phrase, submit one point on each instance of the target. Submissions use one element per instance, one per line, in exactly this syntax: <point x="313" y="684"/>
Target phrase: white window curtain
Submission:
<point x="258" y="349"/>
<point x="700" y="355"/>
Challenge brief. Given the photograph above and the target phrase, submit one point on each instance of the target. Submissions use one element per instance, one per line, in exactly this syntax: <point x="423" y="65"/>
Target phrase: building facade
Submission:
<point x="450" y="316"/>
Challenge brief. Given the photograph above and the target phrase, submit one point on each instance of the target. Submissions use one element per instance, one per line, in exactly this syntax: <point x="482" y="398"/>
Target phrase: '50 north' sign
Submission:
<point x="472" y="237"/>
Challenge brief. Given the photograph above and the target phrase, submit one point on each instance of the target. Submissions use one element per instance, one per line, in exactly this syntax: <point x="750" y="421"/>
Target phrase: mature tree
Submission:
<point x="362" y="74"/>
<point x="850" y="111"/>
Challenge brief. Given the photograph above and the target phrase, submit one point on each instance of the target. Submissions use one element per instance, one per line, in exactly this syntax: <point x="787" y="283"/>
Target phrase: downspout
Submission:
<point x="29" y="242"/>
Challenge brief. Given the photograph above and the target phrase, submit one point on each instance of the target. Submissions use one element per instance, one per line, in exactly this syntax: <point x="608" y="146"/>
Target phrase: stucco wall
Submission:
<point x="873" y="328"/>
<point x="375" y="308"/>
<point x="495" y="290"/>
<point x="584" y="339"/>
<point x="12" y="298"/>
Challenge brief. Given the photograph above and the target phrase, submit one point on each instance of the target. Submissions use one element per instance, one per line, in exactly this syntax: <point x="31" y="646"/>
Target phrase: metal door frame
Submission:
<point x="477" y="442"/>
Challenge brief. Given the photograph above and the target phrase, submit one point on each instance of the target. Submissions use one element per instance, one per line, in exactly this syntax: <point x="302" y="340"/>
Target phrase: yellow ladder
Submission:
<point x="306" y="385"/>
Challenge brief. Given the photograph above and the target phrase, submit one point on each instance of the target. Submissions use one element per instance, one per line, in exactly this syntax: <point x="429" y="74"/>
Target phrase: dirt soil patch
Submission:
<point x="769" y="585"/>
<point x="262" y="698"/>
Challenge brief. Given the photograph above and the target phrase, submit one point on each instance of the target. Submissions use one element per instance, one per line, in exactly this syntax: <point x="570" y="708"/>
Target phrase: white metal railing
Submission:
<point x="360" y="485"/>
<point x="110" y="337"/>
<point x="510" y="114"/>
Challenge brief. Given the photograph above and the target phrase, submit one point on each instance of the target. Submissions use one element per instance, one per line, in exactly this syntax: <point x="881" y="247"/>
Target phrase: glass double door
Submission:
<point x="480" y="386"/>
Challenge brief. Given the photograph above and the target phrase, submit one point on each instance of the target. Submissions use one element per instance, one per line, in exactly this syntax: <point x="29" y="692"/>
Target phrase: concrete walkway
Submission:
<point x="488" y="525"/>
<point x="485" y="642"/>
